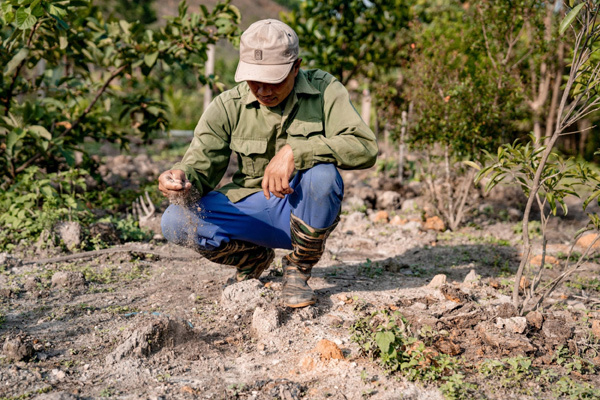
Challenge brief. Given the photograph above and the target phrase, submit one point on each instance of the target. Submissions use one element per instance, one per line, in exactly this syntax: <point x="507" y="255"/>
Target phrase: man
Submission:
<point x="289" y="128"/>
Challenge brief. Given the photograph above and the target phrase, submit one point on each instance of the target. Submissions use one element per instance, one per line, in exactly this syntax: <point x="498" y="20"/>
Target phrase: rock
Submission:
<point x="388" y="200"/>
<point x="514" y="214"/>
<point x="471" y="277"/>
<point x="535" y="319"/>
<point x="333" y="320"/>
<point x="447" y="346"/>
<point x="8" y="262"/>
<point x="59" y="375"/>
<point x="243" y="296"/>
<point x="70" y="279"/>
<point x="328" y="350"/>
<point x="17" y="348"/>
<point x="557" y="330"/>
<point x="453" y="294"/>
<point x="537" y="260"/>
<point x="434" y="224"/>
<point x="437" y="281"/>
<point x="150" y="338"/>
<point x="32" y="283"/>
<point x="524" y="284"/>
<point x="410" y="205"/>
<point x="265" y="320"/>
<point x="356" y="222"/>
<point x="596" y="328"/>
<point x="514" y="324"/>
<point x="398" y="220"/>
<point x="586" y="241"/>
<point x="506" y="310"/>
<point x="70" y="233"/>
<point x="105" y="231"/>
<point x="307" y="363"/>
<point x="56" y="396"/>
<point x="514" y="343"/>
<point x="367" y="194"/>
<point x="411" y="225"/>
<point x="381" y="216"/>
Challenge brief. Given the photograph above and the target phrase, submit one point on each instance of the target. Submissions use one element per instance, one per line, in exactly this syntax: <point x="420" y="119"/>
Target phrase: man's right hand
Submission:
<point x="174" y="184"/>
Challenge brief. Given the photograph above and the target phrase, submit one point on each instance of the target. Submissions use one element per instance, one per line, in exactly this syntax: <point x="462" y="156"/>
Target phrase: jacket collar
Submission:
<point x="302" y="86"/>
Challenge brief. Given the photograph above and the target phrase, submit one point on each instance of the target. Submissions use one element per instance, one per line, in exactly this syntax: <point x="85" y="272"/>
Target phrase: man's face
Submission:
<point x="271" y="95"/>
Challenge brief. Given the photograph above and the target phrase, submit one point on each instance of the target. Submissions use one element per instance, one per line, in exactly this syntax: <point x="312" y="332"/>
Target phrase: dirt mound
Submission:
<point x="151" y="337"/>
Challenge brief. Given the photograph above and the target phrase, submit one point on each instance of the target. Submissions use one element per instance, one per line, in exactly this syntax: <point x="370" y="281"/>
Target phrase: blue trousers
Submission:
<point x="214" y="220"/>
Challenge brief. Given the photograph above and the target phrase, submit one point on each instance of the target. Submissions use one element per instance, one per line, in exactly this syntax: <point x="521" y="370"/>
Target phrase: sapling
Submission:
<point x="545" y="178"/>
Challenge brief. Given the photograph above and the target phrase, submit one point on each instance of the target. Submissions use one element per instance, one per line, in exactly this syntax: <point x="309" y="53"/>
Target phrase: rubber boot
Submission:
<point x="308" y="244"/>
<point x="250" y="260"/>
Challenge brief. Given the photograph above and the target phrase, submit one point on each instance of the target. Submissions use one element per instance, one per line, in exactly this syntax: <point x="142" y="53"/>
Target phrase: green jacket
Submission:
<point x="318" y="122"/>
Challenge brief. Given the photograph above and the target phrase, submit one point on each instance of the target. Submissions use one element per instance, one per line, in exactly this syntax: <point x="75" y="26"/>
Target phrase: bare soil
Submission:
<point x="136" y="325"/>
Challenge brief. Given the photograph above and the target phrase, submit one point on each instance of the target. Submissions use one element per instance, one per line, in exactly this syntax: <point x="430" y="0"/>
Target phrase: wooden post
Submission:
<point x="365" y="109"/>
<point x="209" y="70"/>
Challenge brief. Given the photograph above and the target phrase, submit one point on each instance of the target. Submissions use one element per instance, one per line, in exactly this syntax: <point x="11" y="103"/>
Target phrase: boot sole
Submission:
<point x="300" y="305"/>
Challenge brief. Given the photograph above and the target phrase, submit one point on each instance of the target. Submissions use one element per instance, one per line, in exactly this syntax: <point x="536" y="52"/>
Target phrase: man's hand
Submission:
<point x="174" y="184"/>
<point x="278" y="174"/>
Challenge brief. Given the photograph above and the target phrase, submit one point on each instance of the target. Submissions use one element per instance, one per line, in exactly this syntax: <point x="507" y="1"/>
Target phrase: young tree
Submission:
<point x="354" y="38"/>
<point x="71" y="75"/>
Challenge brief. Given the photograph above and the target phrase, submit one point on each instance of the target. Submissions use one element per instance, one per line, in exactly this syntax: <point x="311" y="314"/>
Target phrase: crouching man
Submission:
<point x="290" y="129"/>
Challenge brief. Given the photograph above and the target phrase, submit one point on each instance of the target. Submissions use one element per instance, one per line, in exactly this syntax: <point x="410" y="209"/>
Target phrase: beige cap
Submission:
<point x="268" y="49"/>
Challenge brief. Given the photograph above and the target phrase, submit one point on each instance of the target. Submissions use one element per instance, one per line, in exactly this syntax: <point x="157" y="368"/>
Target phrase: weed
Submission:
<point x="456" y="388"/>
<point x="106" y="392"/>
<point x="386" y="338"/>
<point x="582" y="283"/>
<point x="370" y="269"/>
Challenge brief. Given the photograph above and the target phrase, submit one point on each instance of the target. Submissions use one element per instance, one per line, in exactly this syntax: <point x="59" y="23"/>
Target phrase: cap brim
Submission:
<point x="262" y="72"/>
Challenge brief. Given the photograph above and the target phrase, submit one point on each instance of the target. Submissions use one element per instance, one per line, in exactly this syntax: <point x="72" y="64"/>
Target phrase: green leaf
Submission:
<point x="384" y="339"/>
<point x="63" y="42"/>
<point x="24" y="19"/>
<point x="570" y="18"/>
<point x="150" y="59"/>
<point x="590" y="198"/>
<point x="16" y="60"/>
<point x="41" y="131"/>
<point x="472" y="165"/>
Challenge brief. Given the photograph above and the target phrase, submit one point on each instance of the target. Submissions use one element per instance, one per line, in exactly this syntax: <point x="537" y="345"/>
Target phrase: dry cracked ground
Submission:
<point x="155" y="322"/>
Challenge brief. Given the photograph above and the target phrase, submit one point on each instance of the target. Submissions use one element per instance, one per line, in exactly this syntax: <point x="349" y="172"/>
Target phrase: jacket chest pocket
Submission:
<point x="300" y="129"/>
<point x="252" y="156"/>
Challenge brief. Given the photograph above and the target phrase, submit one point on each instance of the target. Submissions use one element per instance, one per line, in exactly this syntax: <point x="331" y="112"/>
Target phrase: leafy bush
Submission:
<point x="72" y="75"/>
<point x="38" y="200"/>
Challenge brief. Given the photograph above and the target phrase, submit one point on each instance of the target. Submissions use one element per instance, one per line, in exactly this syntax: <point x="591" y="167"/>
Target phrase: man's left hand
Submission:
<point x="278" y="174"/>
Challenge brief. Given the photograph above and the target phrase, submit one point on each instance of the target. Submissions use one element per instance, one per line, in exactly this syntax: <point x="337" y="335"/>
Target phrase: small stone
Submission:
<point x="434" y="224"/>
<point x="17" y="348"/>
<point x="514" y="324"/>
<point x="586" y="241"/>
<point x="507" y="310"/>
<point x="537" y="260"/>
<point x="398" y="220"/>
<point x="307" y="363"/>
<point x="59" y="375"/>
<point x="557" y="329"/>
<point x="525" y="283"/>
<point x="596" y="328"/>
<point x="388" y="200"/>
<point x="192" y="297"/>
<point x="437" y="281"/>
<point x="328" y="350"/>
<point x="68" y="279"/>
<point x="471" y="277"/>
<point x="265" y="320"/>
<point x="333" y="320"/>
<point x="70" y="233"/>
<point x="381" y="216"/>
<point x="32" y="283"/>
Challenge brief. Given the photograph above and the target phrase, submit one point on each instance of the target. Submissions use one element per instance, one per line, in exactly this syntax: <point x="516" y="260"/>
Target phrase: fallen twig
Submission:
<point x="113" y="250"/>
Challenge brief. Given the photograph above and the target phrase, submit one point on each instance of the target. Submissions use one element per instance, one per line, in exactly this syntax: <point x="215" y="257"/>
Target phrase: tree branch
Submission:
<point x="99" y="93"/>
